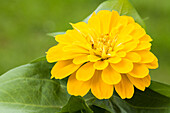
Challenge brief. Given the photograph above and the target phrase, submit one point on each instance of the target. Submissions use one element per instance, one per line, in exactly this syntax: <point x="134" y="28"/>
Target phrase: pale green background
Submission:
<point x="24" y="24"/>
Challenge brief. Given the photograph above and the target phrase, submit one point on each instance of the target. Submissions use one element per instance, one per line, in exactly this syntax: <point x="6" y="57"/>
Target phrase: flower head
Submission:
<point x="109" y="52"/>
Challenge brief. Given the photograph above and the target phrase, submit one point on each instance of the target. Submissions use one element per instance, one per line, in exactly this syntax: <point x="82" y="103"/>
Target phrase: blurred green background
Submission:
<point x="25" y="23"/>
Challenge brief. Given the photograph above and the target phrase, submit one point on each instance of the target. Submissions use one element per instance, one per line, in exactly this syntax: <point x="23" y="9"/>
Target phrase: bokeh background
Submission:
<point x="25" y="23"/>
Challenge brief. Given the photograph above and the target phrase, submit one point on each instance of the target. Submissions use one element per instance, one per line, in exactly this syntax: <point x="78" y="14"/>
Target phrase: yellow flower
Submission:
<point x="110" y="52"/>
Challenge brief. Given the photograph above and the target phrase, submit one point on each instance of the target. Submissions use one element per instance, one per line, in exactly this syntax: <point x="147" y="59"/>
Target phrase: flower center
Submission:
<point x="103" y="46"/>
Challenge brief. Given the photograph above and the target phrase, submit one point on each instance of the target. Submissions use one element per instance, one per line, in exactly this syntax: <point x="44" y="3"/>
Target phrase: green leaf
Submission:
<point x="161" y="88"/>
<point x="29" y="89"/>
<point x="123" y="7"/>
<point x="142" y="102"/>
<point x="76" y="104"/>
<point x="55" y="33"/>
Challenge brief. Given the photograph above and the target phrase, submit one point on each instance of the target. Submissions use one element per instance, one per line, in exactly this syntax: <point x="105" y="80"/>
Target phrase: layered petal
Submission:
<point x="125" y="88"/>
<point x="140" y="83"/>
<point x="134" y="57"/>
<point x="80" y="59"/>
<point x="100" y="65"/>
<point x="143" y="45"/>
<point x="100" y="89"/>
<point x="124" y="66"/>
<point x="105" y="17"/>
<point x="53" y="53"/>
<point x="110" y="76"/>
<point x="146" y="56"/>
<point x="139" y="71"/>
<point x="76" y="87"/>
<point x="153" y="65"/>
<point x="94" y="22"/>
<point x="63" y="69"/>
<point x="85" y="72"/>
<point x="114" y="59"/>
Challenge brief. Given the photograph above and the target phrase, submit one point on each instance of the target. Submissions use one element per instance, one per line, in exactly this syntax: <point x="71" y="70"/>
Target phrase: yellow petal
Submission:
<point x="100" y="89"/>
<point x="53" y="53"/>
<point x="85" y="72"/>
<point x="94" y="22"/>
<point x="140" y="83"/>
<point x="76" y="87"/>
<point x="130" y="19"/>
<point x="110" y="76"/>
<point x="80" y="59"/>
<point x="71" y="36"/>
<point x="81" y="27"/>
<point x="63" y="69"/>
<point x="64" y="39"/>
<point x="114" y="59"/>
<point x="146" y="38"/>
<point x="139" y="71"/>
<point x="121" y="53"/>
<point x="114" y="18"/>
<point x="146" y="56"/>
<point x="56" y="53"/>
<point x="105" y="18"/>
<point x="134" y="57"/>
<point x="143" y="45"/>
<point x="75" y="49"/>
<point x="138" y="33"/>
<point x="124" y="66"/>
<point x="100" y="65"/>
<point x="123" y="38"/>
<point x="93" y="58"/>
<point x="153" y="65"/>
<point x="130" y="46"/>
<point x="122" y="22"/>
<point x="125" y="88"/>
<point x="128" y="29"/>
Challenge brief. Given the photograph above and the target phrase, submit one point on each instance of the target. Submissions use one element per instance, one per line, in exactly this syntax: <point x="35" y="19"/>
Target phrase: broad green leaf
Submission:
<point x="76" y="104"/>
<point x="29" y="89"/>
<point x="161" y="88"/>
<point x="123" y="7"/>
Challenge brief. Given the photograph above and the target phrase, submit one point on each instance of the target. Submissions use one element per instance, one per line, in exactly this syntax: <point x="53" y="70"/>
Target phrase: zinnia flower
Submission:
<point x="109" y="52"/>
